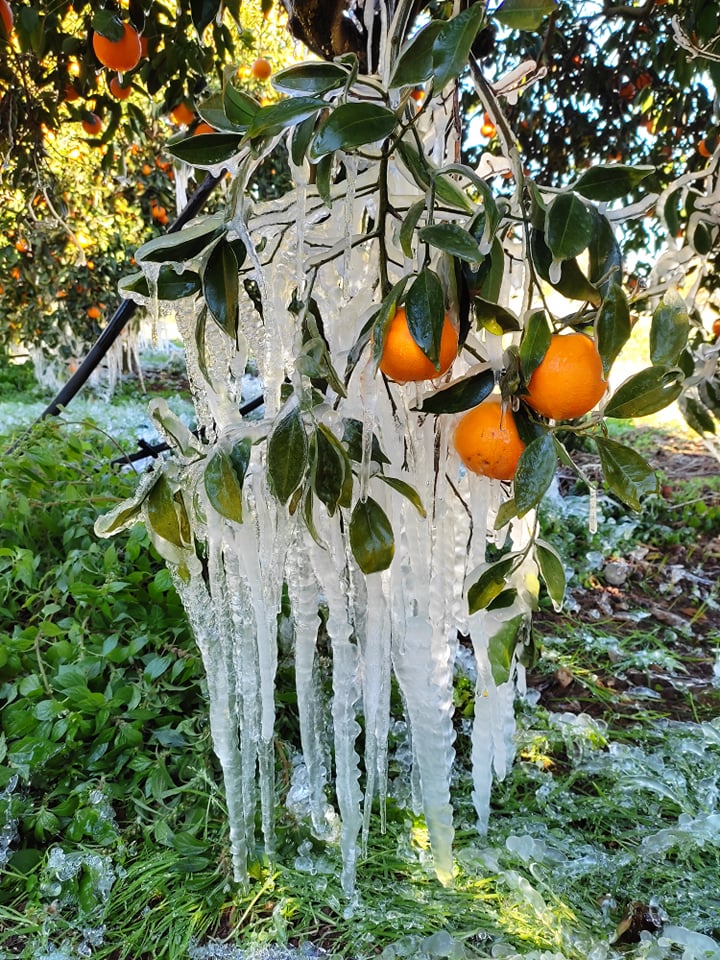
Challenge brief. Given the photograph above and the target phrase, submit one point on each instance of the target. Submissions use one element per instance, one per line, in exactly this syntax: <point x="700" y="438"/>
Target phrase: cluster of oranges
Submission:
<point x="567" y="383"/>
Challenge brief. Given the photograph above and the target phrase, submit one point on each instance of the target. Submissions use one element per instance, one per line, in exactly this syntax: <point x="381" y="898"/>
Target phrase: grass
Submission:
<point x="112" y="820"/>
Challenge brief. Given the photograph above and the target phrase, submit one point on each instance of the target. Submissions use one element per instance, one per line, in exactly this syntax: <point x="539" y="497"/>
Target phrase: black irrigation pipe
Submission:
<point x="120" y="317"/>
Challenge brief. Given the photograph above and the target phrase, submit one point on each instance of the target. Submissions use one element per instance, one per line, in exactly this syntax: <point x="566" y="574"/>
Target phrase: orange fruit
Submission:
<point x="21" y="245"/>
<point x="568" y="381"/>
<point x="182" y="115"/>
<point x="203" y="128"/>
<point x="118" y="90"/>
<point x="703" y="149"/>
<point x="716" y="328"/>
<point x="6" y="16"/>
<point x="403" y="360"/>
<point x="70" y="93"/>
<point x="123" y="54"/>
<point x="487" y="440"/>
<point x="488" y="130"/>
<point x="94" y="313"/>
<point x="92" y="124"/>
<point x="627" y="91"/>
<point x="418" y="94"/>
<point x="261" y="69"/>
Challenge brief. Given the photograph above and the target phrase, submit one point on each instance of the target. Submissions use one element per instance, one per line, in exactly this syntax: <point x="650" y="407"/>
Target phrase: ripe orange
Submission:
<point x="6" y="16"/>
<point x="716" y="328"/>
<point x="488" y="441"/>
<point x="261" y="69"/>
<point x="403" y="360"/>
<point x="22" y="246"/>
<point x="123" y="54"/>
<point x="94" y="313"/>
<point x="568" y="381"/>
<point x="182" y="114"/>
<point x="703" y="148"/>
<point x="118" y="90"/>
<point x="488" y="130"/>
<point x="70" y="93"/>
<point x="418" y="94"/>
<point x="92" y="124"/>
<point x="203" y="128"/>
<point x="627" y="91"/>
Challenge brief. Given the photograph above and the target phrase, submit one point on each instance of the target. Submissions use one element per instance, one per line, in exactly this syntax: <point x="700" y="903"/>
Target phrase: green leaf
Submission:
<point x="287" y="453"/>
<point x="127" y="513"/>
<point x="505" y="514"/>
<point x="240" y="108"/>
<point x="425" y="310"/>
<point x="407" y="491"/>
<point x="352" y="437"/>
<point x="382" y="319"/>
<point x="460" y="395"/>
<point x="552" y="571"/>
<point x="698" y="417"/>
<point x="184" y="245"/>
<point x="284" y="113"/>
<point x="423" y="173"/>
<point x="535" y="471"/>
<point x="174" y="430"/>
<point x="626" y="473"/>
<point x="240" y="458"/>
<point x="569" y="225"/>
<point x="415" y="63"/>
<point x="408" y="227"/>
<point x="492" y="579"/>
<point x="452" y="44"/>
<point x="572" y="283"/>
<point x="203" y="13"/>
<point x="162" y="513"/>
<point x="535" y="342"/>
<point x="222" y="487"/>
<point x="352" y="125"/>
<point x="170" y="285"/>
<point x="453" y="239"/>
<point x="108" y="25"/>
<point x="612" y="326"/>
<point x="212" y="111"/>
<point x="669" y="330"/>
<point x="328" y="466"/>
<point x="207" y="150"/>
<point x="646" y="392"/>
<point x="605" y="263"/>
<point x="610" y="182"/>
<point x="501" y="648"/>
<point x="323" y="175"/>
<point x="371" y="536"/>
<point x="492" y="315"/>
<point x="310" y="78"/>
<point x="300" y="140"/>
<point x="221" y="287"/>
<point x="524" y="14"/>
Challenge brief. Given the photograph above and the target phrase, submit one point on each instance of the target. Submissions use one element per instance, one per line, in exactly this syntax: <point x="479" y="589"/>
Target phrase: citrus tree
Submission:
<point x="431" y="335"/>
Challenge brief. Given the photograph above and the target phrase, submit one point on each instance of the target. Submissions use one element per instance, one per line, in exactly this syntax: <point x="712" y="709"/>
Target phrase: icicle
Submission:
<point x="592" y="517"/>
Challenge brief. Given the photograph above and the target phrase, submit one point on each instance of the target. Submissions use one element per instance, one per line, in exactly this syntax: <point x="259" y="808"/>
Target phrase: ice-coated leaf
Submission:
<point x="460" y="395"/>
<point x="610" y="181"/>
<point x="415" y="64"/>
<point x="572" y="283"/>
<point x="605" y="263"/>
<point x="524" y="14"/>
<point x="453" y="239"/>
<point x="207" y="150"/>
<point x="371" y="536"/>
<point x="174" y="430"/>
<point x="382" y="319"/>
<point x="534" y="343"/>
<point x="284" y="113"/>
<point x="162" y="513"/>
<point x="201" y="344"/>
<point x="505" y="514"/>
<point x="535" y="471"/>
<point x="669" y="330"/>
<point x="212" y="111"/>
<point x="407" y="491"/>
<point x="612" y="326"/>
<point x="222" y="487"/>
<point x="698" y="417"/>
<point x="425" y="310"/>
<point x="328" y="465"/>
<point x="184" y="245"/>
<point x="626" y="473"/>
<point x="240" y="458"/>
<point x="552" y="571"/>
<point x="221" y="287"/>
<point x="569" y="224"/>
<point x="645" y="392"/>
<point x="352" y="437"/>
<point x="310" y="78"/>
<point x="300" y="140"/>
<point x="501" y="648"/>
<point x="323" y="174"/>
<point x="203" y="13"/>
<point x="423" y="173"/>
<point x="492" y="315"/>
<point x="170" y="285"/>
<point x="492" y="579"/>
<point x="127" y="513"/>
<point x="287" y="453"/>
<point x="352" y="125"/>
<point x="452" y="44"/>
<point x="408" y="227"/>
<point x="240" y="108"/>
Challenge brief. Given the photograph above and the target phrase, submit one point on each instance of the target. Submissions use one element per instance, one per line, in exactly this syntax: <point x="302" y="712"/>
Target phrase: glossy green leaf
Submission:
<point x="184" y="245"/>
<point x="415" y="64"/>
<point x="287" y="453"/>
<point x="460" y="395"/>
<point x="697" y="415"/>
<point x="492" y="579"/>
<point x="493" y="315"/>
<point x="371" y="536"/>
<point x="505" y="514"/>
<point x="408" y="226"/>
<point x="300" y="140"/>
<point x="610" y="181"/>
<point x="505" y="599"/>
<point x="572" y="282"/>
<point x="107" y="23"/>
<point x="524" y="14"/>
<point x="174" y="430"/>
<point x="162" y="512"/>
<point x="352" y="125"/>
<point x="646" y="392"/>
<point x="223" y="489"/>
<point x="669" y="330"/>
<point x="323" y="175"/>
<point x="612" y="326"/>
<point x="310" y="78"/>
<point x="424" y="173"/>
<point x="453" y="239"/>
<point x="406" y="490"/>
<point x="501" y="648"/>
<point x="240" y="108"/>
<point x="352" y="438"/>
<point x="452" y="44"/>
<point x="203" y="13"/>
<point x="425" y="310"/>
<point x="221" y="287"/>
<point x="552" y="571"/>
<point x="207" y="150"/>
<point x="201" y="343"/>
<point x="626" y="473"/>
<point x="307" y="513"/>
<point x="328" y="465"/>
<point x="382" y="318"/>
<point x="284" y="113"/>
<point x="212" y="111"/>
<point x="170" y="285"/>
<point x="605" y="262"/>
<point x="535" y="342"/>
<point x="569" y="224"/>
<point x="535" y="471"/>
